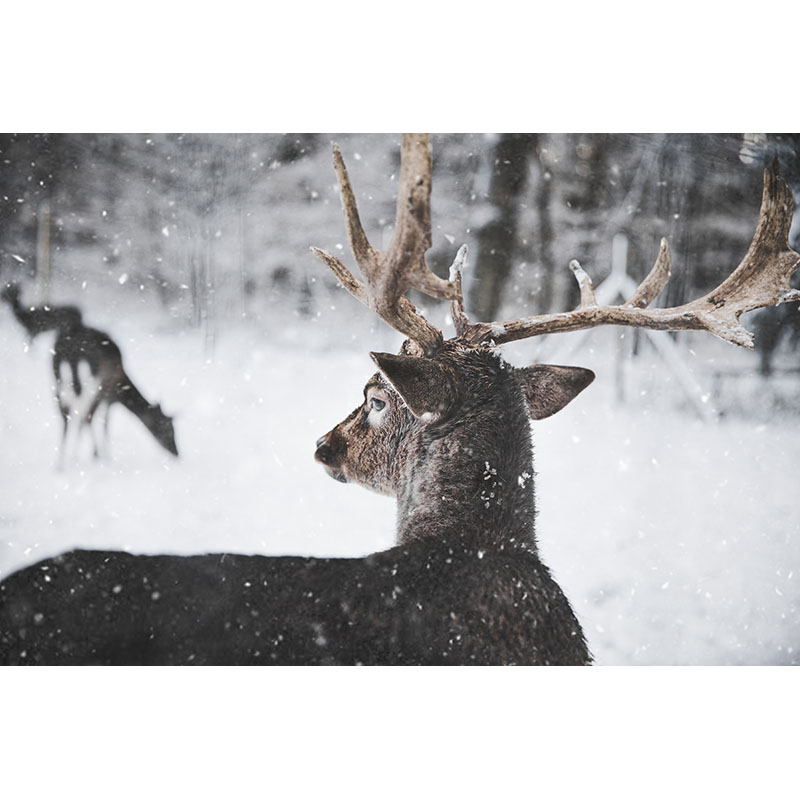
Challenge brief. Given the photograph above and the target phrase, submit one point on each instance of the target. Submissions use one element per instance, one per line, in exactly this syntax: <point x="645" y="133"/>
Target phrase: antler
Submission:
<point x="391" y="273"/>
<point x="761" y="279"/>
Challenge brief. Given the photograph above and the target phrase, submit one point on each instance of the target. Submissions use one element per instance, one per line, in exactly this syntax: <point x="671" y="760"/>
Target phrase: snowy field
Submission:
<point x="677" y="540"/>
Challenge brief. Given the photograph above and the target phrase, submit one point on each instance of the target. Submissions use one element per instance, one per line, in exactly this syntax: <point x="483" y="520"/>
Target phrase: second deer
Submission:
<point x="89" y="376"/>
<point x="443" y="427"/>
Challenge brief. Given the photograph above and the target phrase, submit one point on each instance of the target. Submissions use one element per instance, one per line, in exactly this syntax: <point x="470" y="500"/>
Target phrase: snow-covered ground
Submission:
<point x="677" y="540"/>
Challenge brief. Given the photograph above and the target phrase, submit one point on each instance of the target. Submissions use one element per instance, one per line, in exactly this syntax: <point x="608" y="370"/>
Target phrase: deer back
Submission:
<point x="424" y="603"/>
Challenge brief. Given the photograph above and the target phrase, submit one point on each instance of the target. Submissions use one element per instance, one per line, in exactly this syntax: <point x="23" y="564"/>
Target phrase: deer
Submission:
<point x="89" y="376"/>
<point x="38" y="319"/>
<point x="444" y="427"/>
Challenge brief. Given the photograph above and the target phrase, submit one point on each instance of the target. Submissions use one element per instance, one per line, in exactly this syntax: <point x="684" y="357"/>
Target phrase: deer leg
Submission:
<point x="64" y="398"/>
<point x="106" y="450"/>
<point x="63" y="443"/>
<point x="99" y="411"/>
<point x="77" y="425"/>
<point x="71" y="437"/>
<point x="88" y="397"/>
<point x="87" y="424"/>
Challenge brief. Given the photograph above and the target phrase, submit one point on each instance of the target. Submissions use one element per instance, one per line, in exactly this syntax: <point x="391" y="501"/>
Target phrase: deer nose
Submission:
<point x="324" y="452"/>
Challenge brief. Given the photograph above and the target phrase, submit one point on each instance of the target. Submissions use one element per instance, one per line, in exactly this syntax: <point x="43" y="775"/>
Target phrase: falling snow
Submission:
<point x="675" y="540"/>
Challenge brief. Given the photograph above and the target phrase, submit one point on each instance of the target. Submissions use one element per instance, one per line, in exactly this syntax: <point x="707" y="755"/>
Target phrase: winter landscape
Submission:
<point x="666" y="491"/>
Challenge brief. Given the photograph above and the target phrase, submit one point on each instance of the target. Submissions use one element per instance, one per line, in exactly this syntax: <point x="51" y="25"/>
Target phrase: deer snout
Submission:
<point x="324" y="452"/>
<point x="327" y="456"/>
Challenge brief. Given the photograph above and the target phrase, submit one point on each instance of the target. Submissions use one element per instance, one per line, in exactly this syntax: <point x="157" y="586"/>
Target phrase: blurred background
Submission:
<point x="665" y="491"/>
<point x="212" y="228"/>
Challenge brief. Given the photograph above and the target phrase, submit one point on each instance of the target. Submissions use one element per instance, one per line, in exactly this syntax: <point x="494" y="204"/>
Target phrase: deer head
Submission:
<point x="444" y="425"/>
<point x="448" y="436"/>
<point x="10" y="293"/>
<point x="161" y="426"/>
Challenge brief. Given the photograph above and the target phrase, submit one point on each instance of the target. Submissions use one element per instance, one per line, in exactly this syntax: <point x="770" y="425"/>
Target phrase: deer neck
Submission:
<point x="473" y="484"/>
<point x="23" y="315"/>
<point x="130" y="397"/>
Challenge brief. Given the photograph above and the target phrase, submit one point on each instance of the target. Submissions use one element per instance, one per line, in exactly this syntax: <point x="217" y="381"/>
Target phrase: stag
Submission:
<point x="443" y="427"/>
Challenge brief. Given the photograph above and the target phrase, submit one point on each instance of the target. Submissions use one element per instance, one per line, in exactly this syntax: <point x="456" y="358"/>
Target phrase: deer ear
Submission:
<point x="548" y="388"/>
<point x="420" y="382"/>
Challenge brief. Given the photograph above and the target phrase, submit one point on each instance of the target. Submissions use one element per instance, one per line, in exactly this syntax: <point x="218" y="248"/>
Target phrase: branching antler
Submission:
<point x="389" y="274"/>
<point x="761" y="279"/>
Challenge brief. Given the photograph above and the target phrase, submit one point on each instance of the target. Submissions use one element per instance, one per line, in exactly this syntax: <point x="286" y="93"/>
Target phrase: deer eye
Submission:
<point x="377" y="404"/>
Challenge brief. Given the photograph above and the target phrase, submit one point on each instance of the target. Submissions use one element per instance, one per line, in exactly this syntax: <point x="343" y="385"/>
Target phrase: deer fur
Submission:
<point x="465" y="584"/>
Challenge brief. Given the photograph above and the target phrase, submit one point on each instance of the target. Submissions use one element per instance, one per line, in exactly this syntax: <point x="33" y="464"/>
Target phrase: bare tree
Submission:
<point x="498" y="236"/>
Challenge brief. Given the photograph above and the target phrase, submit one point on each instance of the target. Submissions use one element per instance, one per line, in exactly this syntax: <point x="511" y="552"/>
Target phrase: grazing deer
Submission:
<point x="87" y="365"/>
<point x="444" y="427"/>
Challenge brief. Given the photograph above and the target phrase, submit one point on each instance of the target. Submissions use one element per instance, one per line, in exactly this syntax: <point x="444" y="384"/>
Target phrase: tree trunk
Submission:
<point x="497" y="239"/>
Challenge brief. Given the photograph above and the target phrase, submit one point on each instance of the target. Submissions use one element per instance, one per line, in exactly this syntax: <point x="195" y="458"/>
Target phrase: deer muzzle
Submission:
<point x="327" y="456"/>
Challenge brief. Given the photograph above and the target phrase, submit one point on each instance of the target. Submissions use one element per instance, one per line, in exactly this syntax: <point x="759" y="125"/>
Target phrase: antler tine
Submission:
<point x="460" y="319"/>
<point x="359" y="244"/>
<point x="391" y="273"/>
<point x="656" y="279"/>
<point x="584" y="283"/>
<point x="346" y="278"/>
<point x="760" y="280"/>
<point x="412" y="234"/>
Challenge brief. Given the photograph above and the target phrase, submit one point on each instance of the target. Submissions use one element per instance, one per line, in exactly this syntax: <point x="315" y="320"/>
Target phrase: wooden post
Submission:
<point x="43" y="252"/>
